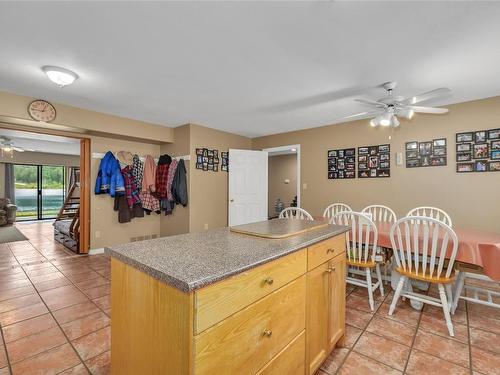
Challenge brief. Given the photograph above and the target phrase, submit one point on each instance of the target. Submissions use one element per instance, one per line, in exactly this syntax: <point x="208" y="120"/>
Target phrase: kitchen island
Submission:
<point x="228" y="302"/>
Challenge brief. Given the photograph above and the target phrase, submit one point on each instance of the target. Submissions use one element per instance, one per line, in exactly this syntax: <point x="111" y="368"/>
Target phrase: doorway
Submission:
<point x="283" y="178"/>
<point x="40" y="191"/>
<point x="47" y="174"/>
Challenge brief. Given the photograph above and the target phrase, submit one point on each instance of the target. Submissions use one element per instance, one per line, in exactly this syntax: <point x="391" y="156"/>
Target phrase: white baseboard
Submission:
<point x="96" y="251"/>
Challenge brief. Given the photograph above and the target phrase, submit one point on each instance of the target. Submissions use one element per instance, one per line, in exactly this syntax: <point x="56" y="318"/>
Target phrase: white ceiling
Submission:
<point x="252" y="68"/>
<point x="51" y="144"/>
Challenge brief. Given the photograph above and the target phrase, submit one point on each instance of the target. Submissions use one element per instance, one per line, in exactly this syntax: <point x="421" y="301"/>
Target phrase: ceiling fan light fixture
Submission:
<point x="373" y="122"/>
<point x="60" y="76"/>
<point x="386" y="119"/>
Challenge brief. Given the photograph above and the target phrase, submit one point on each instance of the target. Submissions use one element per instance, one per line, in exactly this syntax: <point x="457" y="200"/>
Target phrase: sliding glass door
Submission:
<point x="40" y="191"/>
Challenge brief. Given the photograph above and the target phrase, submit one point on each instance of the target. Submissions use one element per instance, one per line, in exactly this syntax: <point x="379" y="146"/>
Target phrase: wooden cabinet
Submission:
<point x="246" y="341"/>
<point x="220" y="300"/>
<point x="284" y="317"/>
<point x="325" y="311"/>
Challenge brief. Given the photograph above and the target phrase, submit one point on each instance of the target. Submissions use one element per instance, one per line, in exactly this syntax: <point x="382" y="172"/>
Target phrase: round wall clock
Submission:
<point x="42" y="110"/>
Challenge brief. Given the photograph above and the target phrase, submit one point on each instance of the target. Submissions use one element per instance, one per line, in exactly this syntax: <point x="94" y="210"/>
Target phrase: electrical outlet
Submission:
<point x="206" y="226"/>
<point x="97" y="234"/>
<point x="304" y="186"/>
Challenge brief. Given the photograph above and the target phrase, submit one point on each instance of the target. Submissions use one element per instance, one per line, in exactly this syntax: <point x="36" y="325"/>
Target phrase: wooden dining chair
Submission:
<point x="361" y="241"/>
<point x="432" y="212"/>
<point x="421" y="245"/>
<point x="480" y="289"/>
<point x="334" y="209"/>
<point x="295" y="213"/>
<point x="380" y="213"/>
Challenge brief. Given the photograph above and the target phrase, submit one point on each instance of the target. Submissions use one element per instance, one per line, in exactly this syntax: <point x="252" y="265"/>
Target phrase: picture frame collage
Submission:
<point x="374" y="161"/>
<point x="478" y="151"/>
<point x="426" y="154"/>
<point x="225" y="161"/>
<point x="207" y="159"/>
<point x="342" y="164"/>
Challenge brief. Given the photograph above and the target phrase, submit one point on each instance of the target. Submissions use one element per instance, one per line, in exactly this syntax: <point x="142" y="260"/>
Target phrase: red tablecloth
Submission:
<point x="477" y="248"/>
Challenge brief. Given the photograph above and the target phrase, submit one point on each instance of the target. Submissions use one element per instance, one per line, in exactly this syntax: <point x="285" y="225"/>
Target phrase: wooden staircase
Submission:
<point x="69" y="236"/>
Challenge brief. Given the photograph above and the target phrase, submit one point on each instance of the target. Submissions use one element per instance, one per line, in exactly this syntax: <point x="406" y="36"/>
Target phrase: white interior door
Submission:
<point x="247" y="186"/>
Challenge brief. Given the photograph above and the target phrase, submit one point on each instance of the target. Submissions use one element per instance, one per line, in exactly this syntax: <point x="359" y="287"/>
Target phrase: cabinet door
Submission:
<point x="336" y="322"/>
<point x="318" y="305"/>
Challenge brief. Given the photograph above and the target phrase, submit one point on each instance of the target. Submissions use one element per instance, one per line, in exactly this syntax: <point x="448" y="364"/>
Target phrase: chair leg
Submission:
<point x="370" y="288"/>
<point x="381" y="282"/>
<point x="458" y="291"/>
<point x="446" y="310"/>
<point x="449" y="296"/>
<point x="397" y="293"/>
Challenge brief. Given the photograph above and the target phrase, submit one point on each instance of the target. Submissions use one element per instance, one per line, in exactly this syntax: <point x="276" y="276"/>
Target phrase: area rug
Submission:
<point x="11" y="234"/>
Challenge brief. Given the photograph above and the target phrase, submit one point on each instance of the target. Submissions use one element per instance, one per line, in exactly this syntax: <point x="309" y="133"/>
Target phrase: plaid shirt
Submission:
<point x="137" y="170"/>
<point x="150" y="202"/>
<point x="170" y="179"/>
<point x="162" y="180"/>
<point x="131" y="190"/>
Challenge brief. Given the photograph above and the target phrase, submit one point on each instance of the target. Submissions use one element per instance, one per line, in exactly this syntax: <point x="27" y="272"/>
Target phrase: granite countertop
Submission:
<point x="194" y="260"/>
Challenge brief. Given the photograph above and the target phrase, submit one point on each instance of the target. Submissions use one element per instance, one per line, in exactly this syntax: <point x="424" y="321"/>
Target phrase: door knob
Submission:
<point x="267" y="333"/>
<point x="269" y="281"/>
<point x="231" y="200"/>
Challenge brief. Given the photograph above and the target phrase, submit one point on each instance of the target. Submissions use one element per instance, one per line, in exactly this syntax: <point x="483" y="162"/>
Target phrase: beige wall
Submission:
<point x="43" y="158"/>
<point x="281" y="168"/>
<point x="472" y="199"/>
<point x="208" y="199"/>
<point x="104" y="227"/>
<point x="178" y="222"/>
<point x="13" y="109"/>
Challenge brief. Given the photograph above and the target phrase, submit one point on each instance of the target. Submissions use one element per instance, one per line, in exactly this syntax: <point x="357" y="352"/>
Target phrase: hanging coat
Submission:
<point x="137" y="170"/>
<point x="179" y="184"/>
<point x="149" y="173"/>
<point x="109" y="179"/>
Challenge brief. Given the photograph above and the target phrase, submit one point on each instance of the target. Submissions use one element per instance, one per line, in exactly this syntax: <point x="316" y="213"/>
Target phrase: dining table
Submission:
<point x="478" y="251"/>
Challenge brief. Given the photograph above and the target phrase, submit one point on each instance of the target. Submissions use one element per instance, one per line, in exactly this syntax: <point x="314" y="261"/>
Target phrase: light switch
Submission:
<point x="399" y="158"/>
<point x="304" y="186"/>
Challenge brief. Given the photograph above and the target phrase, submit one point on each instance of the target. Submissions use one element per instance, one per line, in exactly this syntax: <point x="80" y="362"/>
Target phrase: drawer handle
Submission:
<point x="267" y="333"/>
<point x="330" y="270"/>
<point x="269" y="281"/>
<point x="330" y="250"/>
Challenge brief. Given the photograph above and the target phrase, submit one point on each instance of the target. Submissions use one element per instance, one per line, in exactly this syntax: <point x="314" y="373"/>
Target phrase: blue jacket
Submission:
<point x="109" y="178"/>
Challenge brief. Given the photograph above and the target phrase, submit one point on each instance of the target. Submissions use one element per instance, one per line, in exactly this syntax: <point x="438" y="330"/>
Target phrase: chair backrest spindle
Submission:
<point x="295" y="213"/>
<point x="334" y="209"/>
<point x="432" y="212"/>
<point x="361" y="239"/>
<point x="422" y="244"/>
<point x="380" y="213"/>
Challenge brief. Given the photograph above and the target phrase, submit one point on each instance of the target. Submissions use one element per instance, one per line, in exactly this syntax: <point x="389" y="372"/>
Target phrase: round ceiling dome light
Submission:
<point x="60" y="76"/>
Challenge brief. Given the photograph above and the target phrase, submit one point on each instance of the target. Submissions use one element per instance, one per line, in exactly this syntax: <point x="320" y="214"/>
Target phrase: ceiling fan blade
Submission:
<point x="361" y="115"/>
<point x="427" y="95"/>
<point x="371" y="103"/>
<point x="434" y="110"/>
<point x="17" y="149"/>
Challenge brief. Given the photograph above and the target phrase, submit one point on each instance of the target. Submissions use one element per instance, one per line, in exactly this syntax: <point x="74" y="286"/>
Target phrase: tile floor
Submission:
<point x="54" y="307"/>
<point x="55" y="319"/>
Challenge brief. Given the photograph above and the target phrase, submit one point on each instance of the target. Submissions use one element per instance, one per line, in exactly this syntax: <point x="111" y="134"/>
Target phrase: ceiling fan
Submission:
<point x="386" y="110"/>
<point x="7" y="147"/>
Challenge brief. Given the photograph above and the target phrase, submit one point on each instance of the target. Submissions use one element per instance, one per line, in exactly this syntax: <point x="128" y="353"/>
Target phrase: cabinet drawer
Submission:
<point x="289" y="361"/>
<point x="323" y="251"/>
<point x="246" y="341"/>
<point x="220" y="300"/>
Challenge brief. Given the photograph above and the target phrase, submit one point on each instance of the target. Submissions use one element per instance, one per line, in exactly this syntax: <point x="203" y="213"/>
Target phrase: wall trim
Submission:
<point x="96" y="251"/>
